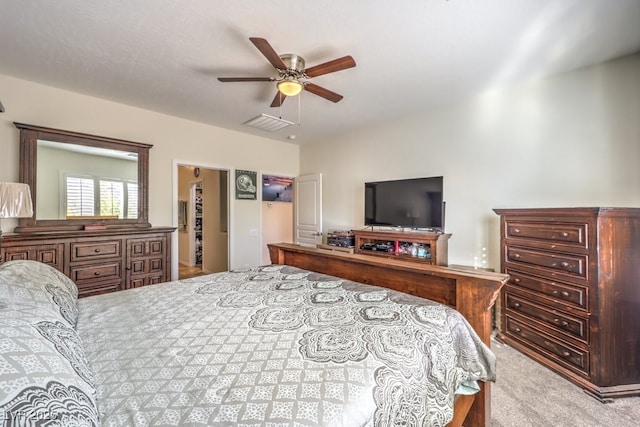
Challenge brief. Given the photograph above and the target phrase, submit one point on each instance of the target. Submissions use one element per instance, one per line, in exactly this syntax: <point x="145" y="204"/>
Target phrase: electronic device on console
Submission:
<point x="341" y="238"/>
<point x="381" y="247"/>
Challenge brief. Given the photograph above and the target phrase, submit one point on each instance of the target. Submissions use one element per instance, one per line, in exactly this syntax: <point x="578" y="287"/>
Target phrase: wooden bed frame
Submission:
<point x="472" y="292"/>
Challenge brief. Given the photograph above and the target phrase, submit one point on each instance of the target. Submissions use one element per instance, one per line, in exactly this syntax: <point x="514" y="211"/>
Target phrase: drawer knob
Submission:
<point x="516" y="256"/>
<point x="96" y="250"/>
<point x="565" y="293"/>
<point x="516" y="230"/>
<point x="566" y="354"/>
<point x="518" y="330"/>
<point x="96" y="273"/>
<point x="516" y="280"/>
<point x="564" y="264"/>
<point x="563" y="323"/>
<point x="517" y="304"/>
<point x="565" y="234"/>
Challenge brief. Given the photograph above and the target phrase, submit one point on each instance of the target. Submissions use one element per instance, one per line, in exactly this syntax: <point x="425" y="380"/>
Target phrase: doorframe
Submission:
<point x="175" y="267"/>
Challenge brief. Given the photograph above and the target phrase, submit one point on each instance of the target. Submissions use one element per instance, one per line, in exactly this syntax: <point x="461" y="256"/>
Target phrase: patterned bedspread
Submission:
<point x="277" y="346"/>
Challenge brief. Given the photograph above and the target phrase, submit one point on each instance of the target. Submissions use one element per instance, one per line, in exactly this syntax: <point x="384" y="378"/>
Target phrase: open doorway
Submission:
<point x="277" y="212"/>
<point x="203" y="223"/>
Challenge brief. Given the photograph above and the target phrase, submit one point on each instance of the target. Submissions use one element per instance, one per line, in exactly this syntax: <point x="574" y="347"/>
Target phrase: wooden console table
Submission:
<point x="472" y="293"/>
<point x="434" y="244"/>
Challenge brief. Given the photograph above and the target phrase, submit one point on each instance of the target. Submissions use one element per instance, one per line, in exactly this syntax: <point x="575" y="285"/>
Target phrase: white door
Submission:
<point x="308" y="210"/>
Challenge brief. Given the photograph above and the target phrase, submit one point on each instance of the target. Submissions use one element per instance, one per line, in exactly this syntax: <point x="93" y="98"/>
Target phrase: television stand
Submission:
<point x="414" y="246"/>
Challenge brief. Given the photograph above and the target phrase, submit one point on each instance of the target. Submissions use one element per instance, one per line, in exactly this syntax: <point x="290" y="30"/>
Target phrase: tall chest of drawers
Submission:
<point x="98" y="261"/>
<point x="573" y="298"/>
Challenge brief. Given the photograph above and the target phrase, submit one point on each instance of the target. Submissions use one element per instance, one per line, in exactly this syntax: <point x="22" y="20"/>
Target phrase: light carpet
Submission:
<point x="528" y="394"/>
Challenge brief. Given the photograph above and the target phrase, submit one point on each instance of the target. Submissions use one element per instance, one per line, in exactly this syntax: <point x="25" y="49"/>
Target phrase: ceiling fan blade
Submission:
<point x="278" y="99"/>
<point x="265" y="48"/>
<point x="331" y="66"/>
<point x="325" y="93"/>
<point x="246" y="79"/>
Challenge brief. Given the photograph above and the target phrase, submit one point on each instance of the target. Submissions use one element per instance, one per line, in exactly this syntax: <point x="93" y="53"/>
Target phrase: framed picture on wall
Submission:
<point x="246" y="185"/>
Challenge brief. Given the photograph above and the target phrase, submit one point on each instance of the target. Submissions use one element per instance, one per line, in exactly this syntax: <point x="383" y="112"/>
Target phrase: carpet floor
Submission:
<point x="528" y="394"/>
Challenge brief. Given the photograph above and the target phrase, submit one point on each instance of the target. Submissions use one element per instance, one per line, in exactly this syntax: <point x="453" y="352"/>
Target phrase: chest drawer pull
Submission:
<point x="516" y="230"/>
<point x="563" y="323"/>
<point x="566" y="354"/>
<point x="517" y="304"/>
<point x="563" y="264"/>
<point x="565" y="234"/>
<point x="96" y="250"/>
<point x="516" y="256"/>
<point x="516" y="280"/>
<point x="96" y="273"/>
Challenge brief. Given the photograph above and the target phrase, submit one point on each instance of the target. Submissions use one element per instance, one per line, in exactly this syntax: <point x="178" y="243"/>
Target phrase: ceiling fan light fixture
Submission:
<point x="290" y="87"/>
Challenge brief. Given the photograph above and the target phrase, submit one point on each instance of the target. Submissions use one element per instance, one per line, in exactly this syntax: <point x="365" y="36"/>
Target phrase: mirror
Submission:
<point x="79" y="179"/>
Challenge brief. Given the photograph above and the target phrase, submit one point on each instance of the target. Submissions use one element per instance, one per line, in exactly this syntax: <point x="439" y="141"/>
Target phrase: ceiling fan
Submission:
<point x="292" y="74"/>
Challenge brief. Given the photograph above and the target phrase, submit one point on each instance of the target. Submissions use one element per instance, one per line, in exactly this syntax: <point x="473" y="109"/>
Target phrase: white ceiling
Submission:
<point x="411" y="55"/>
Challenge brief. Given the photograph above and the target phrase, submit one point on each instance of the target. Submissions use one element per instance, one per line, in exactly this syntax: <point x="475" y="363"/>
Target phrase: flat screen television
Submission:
<point x="415" y="203"/>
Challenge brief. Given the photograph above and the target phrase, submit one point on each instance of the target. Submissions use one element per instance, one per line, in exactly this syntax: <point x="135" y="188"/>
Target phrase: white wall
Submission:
<point x="569" y="140"/>
<point x="175" y="140"/>
<point x="277" y="225"/>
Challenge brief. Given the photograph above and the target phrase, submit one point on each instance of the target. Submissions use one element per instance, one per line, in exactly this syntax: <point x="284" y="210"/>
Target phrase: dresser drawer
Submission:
<point x="563" y="353"/>
<point x="575" y="265"/>
<point x="87" y="289"/>
<point x="560" y="293"/>
<point x="95" y="250"/>
<point x="567" y="234"/>
<point x="99" y="272"/>
<point x="573" y="326"/>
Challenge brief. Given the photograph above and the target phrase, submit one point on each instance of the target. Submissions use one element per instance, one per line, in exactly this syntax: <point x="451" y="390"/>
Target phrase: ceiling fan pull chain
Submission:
<point x="299" y="101"/>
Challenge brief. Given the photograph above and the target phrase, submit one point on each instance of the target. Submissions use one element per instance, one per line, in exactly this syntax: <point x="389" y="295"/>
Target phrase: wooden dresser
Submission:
<point x="98" y="261"/>
<point x="573" y="299"/>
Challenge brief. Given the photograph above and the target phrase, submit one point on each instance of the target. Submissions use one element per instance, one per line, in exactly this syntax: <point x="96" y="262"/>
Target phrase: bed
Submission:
<point x="274" y="345"/>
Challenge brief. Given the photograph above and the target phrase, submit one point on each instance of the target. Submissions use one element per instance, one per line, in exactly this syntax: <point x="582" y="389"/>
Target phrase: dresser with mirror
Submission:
<point x="90" y="211"/>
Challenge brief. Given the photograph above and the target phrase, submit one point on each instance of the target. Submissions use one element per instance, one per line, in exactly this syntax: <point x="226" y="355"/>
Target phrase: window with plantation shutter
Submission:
<point x="132" y="199"/>
<point x="79" y="196"/>
<point x="111" y="198"/>
<point x="100" y="196"/>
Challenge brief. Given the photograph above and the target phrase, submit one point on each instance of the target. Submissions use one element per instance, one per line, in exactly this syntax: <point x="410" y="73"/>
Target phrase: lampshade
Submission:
<point x="15" y="200"/>
<point x="290" y="87"/>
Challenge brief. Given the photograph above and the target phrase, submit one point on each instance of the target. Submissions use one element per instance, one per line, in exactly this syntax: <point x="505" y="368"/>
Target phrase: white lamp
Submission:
<point x="15" y="200"/>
